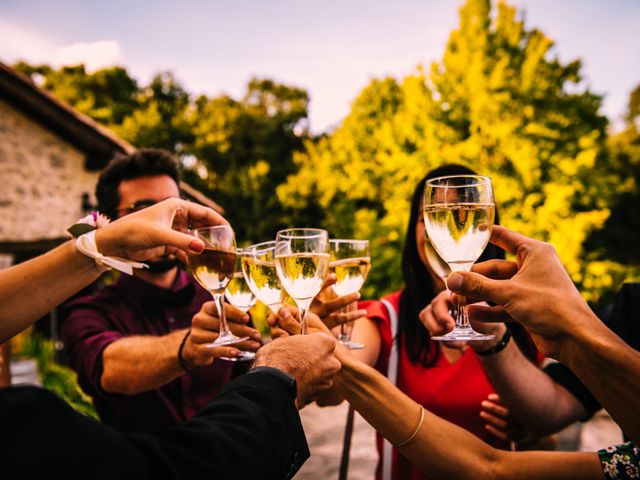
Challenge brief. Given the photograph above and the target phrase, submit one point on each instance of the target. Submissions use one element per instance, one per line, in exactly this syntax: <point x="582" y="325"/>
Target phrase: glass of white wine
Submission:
<point x="458" y="216"/>
<point x="350" y="262"/>
<point x="240" y="296"/>
<point x="213" y="268"/>
<point x="302" y="264"/>
<point x="259" y="269"/>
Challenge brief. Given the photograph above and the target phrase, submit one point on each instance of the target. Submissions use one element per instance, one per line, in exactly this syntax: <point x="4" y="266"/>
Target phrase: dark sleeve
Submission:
<point x="40" y="434"/>
<point x="565" y="377"/>
<point x="252" y="430"/>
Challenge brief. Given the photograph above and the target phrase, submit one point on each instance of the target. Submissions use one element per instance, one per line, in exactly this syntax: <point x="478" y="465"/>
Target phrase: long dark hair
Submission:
<point x="419" y="289"/>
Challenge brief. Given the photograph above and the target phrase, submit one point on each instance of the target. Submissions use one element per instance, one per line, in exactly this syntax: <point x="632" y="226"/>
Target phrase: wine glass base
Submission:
<point x="353" y="345"/>
<point x="242" y="357"/>
<point x="463" y="335"/>
<point x="227" y="340"/>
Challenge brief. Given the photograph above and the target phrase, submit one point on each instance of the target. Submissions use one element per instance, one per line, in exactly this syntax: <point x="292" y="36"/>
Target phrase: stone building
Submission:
<point x="50" y="159"/>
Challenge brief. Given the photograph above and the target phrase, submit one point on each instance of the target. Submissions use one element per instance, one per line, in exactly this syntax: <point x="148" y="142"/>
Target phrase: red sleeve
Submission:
<point x="86" y="332"/>
<point x="377" y="312"/>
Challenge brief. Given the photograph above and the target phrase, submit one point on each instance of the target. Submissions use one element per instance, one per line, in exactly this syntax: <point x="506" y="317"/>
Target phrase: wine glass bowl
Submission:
<point x="259" y="269"/>
<point x="302" y="264"/>
<point x="350" y="262"/>
<point x="459" y="213"/>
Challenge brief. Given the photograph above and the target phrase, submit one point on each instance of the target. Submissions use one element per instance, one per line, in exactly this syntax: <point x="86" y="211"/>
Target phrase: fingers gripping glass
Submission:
<point x="350" y="263"/>
<point x="458" y="217"/>
<point x="302" y="264"/>
<point x="214" y="269"/>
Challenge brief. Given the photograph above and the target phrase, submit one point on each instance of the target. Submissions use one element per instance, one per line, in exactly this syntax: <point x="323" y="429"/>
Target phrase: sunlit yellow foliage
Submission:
<point x="498" y="102"/>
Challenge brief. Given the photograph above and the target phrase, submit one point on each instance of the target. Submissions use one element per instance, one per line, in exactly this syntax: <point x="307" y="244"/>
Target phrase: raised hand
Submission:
<point x="535" y="291"/>
<point x="309" y="358"/>
<point x="157" y="230"/>
<point x="205" y="326"/>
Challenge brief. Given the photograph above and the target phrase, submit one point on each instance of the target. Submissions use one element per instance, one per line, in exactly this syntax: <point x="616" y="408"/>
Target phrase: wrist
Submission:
<point x="185" y="364"/>
<point x="288" y="380"/>
<point x="502" y="343"/>
<point x="499" y="333"/>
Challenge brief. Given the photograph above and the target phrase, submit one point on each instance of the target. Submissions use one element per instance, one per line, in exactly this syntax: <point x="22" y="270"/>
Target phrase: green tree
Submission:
<point x="161" y="118"/>
<point x="615" y="245"/>
<point x="499" y="102"/>
<point x="107" y="95"/>
<point x="245" y="149"/>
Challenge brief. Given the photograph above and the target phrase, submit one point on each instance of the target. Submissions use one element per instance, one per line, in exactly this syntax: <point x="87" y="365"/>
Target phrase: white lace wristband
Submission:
<point x="86" y="244"/>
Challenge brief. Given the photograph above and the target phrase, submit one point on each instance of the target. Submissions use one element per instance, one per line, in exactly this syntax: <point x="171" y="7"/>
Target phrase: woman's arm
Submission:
<point x="366" y="332"/>
<point x="441" y="449"/>
<point x="30" y="290"/>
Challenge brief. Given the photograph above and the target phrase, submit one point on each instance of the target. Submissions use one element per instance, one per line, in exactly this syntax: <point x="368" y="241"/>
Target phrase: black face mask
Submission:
<point x="161" y="266"/>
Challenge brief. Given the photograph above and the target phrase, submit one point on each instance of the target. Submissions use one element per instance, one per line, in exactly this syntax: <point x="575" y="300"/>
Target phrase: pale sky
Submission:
<point x="331" y="48"/>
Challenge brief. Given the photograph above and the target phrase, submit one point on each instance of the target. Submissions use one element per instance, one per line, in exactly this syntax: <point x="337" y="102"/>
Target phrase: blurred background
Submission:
<point x="327" y="114"/>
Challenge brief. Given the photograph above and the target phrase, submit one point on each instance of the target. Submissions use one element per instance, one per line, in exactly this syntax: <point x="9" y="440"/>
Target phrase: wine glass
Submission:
<point x="350" y="262"/>
<point x="458" y="218"/>
<point x="240" y="296"/>
<point x="213" y="268"/>
<point x="259" y="269"/>
<point x="302" y="264"/>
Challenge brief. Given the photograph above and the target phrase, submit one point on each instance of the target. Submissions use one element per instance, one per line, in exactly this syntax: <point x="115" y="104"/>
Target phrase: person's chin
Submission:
<point x="161" y="265"/>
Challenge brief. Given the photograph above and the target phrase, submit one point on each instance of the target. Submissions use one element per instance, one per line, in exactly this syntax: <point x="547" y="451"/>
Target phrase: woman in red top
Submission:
<point x="447" y="380"/>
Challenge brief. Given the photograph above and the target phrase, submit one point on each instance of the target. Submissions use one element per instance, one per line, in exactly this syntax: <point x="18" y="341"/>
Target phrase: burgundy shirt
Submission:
<point x="128" y="307"/>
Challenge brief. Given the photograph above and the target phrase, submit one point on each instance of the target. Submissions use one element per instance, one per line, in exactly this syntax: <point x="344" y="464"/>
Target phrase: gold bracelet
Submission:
<point x="398" y="445"/>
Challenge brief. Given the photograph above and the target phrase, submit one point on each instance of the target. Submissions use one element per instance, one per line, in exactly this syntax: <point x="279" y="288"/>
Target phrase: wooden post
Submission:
<point x="5" y="364"/>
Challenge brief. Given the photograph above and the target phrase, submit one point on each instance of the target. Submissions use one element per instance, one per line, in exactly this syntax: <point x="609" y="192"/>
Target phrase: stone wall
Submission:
<point x="43" y="178"/>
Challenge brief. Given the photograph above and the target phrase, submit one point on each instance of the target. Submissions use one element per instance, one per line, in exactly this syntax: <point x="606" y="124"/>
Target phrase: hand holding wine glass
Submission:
<point x="302" y="264"/>
<point x="458" y="216"/>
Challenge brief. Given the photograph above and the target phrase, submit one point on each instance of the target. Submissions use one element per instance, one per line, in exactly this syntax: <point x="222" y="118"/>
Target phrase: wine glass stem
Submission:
<point x="462" y="317"/>
<point x="302" y="310"/>
<point x="346" y="328"/>
<point x="218" y="298"/>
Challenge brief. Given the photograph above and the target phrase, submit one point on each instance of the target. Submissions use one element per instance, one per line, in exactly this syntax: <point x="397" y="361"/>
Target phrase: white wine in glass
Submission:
<point x="350" y="263"/>
<point x="458" y="217"/>
<point x="302" y="264"/>
<point x="259" y="269"/>
<point x="437" y="264"/>
<point x="213" y="268"/>
<point x="240" y="296"/>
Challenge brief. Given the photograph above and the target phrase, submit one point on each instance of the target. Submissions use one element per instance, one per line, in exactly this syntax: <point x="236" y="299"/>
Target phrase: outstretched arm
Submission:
<point x="533" y="397"/>
<point x="537" y="292"/>
<point x="139" y="363"/>
<point x="30" y="290"/>
<point x="444" y="450"/>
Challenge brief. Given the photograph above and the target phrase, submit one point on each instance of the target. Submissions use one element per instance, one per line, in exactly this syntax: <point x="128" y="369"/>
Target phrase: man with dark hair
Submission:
<point x="140" y="345"/>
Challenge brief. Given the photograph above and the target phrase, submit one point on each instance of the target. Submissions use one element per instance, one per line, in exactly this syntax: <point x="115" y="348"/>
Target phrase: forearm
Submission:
<point x="444" y="450"/>
<point x="610" y="369"/>
<point x="136" y="364"/>
<point x="452" y="452"/>
<point x="533" y="398"/>
<point x="32" y="289"/>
